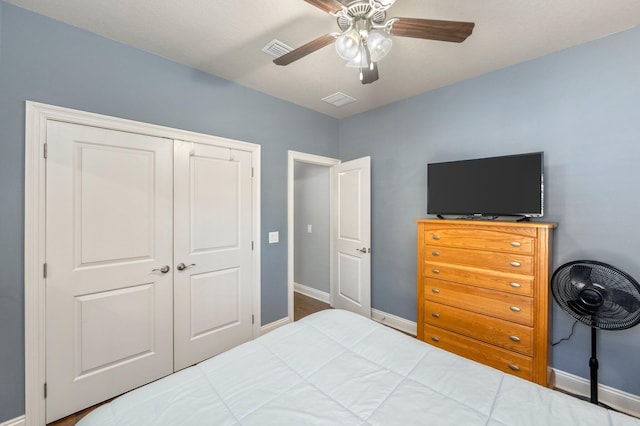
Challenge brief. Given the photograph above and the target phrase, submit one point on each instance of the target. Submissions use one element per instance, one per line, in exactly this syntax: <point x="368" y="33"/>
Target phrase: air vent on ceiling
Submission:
<point x="339" y="99"/>
<point x="276" y="48"/>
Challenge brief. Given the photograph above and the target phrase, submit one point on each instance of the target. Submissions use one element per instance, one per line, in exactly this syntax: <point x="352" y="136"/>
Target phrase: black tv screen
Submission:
<point x="509" y="185"/>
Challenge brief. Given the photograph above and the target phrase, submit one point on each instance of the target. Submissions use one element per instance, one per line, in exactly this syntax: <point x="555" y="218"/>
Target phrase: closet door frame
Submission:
<point x="37" y="115"/>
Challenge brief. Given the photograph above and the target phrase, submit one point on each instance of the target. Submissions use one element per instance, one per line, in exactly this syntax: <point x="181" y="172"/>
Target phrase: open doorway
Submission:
<point x="309" y="231"/>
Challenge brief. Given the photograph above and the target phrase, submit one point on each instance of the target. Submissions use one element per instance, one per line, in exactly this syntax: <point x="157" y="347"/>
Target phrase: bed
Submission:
<point x="338" y="368"/>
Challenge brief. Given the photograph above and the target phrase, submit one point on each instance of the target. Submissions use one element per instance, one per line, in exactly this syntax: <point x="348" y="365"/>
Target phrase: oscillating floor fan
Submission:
<point x="600" y="296"/>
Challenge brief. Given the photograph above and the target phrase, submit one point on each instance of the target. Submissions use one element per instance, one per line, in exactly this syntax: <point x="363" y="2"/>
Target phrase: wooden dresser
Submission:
<point x="483" y="292"/>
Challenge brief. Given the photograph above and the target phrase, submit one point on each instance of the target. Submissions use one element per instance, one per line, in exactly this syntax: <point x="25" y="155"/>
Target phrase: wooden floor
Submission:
<point x="302" y="306"/>
<point x="305" y="305"/>
<point x="75" y="418"/>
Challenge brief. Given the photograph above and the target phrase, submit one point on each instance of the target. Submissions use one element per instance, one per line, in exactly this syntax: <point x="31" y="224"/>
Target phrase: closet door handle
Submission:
<point x="164" y="269"/>
<point x="181" y="266"/>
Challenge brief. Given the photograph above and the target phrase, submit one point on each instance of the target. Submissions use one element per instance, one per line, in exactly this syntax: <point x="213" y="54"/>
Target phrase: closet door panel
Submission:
<point x="215" y="204"/>
<point x="212" y="254"/>
<point x="109" y="225"/>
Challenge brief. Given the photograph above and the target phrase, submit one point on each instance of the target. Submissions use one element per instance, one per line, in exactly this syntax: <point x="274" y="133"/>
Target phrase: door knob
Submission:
<point x="362" y="250"/>
<point x="164" y="269"/>
<point x="181" y="266"/>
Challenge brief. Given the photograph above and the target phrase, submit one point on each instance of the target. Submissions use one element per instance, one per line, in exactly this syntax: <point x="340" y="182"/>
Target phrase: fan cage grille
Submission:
<point x="619" y="306"/>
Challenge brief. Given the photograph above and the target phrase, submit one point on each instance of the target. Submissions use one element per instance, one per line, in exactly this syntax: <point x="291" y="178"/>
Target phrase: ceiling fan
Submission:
<point x="364" y="27"/>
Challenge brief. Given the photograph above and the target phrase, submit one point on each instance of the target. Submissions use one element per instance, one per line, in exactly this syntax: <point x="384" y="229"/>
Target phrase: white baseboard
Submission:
<point x="18" y="421"/>
<point x="394" y="321"/>
<point x="312" y="292"/>
<point x="621" y="401"/>
<point x="271" y="326"/>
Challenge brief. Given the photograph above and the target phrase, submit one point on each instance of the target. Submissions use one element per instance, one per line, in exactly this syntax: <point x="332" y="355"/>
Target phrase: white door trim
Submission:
<point x="294" y="156"/>
<point x="37" y="115"/>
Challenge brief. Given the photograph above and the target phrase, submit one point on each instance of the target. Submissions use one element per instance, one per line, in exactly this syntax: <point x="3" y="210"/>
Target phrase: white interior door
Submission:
<point x="351" y="283"/>
<point x="213" y="253"/>
<point x="108" y="233"/>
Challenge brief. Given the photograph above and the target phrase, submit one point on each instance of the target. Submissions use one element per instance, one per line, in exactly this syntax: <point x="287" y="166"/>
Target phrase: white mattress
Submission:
<point x="337" y="368"/>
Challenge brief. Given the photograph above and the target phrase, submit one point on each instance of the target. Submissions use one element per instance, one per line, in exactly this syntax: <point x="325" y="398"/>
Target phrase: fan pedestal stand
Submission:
<point x="598" y="295"/>
<point x="593" y="366"/>
<point x="593" y="369"/>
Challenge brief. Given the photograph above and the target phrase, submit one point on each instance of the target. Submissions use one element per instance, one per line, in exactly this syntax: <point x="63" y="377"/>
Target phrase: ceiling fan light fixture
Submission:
<point x="379" y="45"/>
<point x="348" y="44"/>
<point x="356" y="62"/>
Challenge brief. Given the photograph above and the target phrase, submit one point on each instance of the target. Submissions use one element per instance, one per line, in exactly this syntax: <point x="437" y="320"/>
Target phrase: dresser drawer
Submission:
<point x="501" y="359"/>
<point x="491" y="260"/>
<point x="505" y="334"/>
<point x="497" y="304"/>
<point x="495" y="280"/>
<point x="520" y="241"/>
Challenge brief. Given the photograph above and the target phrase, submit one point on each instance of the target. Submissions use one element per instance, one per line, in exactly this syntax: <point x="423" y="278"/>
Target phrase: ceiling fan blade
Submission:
<point x="431" y="29"/>
<point x="369" y="75"/>
<point x="304" y="50"/>
<point x="329" y="6"/>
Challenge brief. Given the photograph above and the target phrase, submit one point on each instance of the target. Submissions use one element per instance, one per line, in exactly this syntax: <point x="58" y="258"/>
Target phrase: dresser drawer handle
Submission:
<point x="436" y="237"/>
<point x="435" y="253"/>
<point x="514" y="367"/>
<point x="515" y="285"/>
<point x="515" y="244"/>
<point x="515" y="264"/>
<point x="435" y="271"/>
<point x="515" y="309"/>
<point x="435" y="290"/>
<point x="514" y="338"/>
<point x="435" y="315"/>
<point x="435" y="339"/>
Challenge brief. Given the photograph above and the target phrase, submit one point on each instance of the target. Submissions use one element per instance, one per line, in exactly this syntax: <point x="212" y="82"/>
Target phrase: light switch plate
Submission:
<point x="274" y="237"/>
<point x="309" y="228"/>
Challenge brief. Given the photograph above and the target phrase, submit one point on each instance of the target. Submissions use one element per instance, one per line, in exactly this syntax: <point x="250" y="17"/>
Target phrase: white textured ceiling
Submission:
<point x="225" y="38"/>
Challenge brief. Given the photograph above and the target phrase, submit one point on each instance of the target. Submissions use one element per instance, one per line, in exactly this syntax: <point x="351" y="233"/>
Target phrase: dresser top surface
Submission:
<point x="489" y="223"/>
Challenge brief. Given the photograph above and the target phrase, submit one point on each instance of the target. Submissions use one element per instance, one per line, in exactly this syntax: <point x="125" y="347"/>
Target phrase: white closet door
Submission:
<point x="213" y="254"/>
<point x="108" y="232"/>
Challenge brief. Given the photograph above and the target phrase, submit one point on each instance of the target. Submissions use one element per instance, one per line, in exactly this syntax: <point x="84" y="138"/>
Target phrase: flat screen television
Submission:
<point x="510" y="185"/>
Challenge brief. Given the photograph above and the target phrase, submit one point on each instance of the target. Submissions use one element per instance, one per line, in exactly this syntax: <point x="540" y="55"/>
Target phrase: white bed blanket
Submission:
<point x="337" y="368"/>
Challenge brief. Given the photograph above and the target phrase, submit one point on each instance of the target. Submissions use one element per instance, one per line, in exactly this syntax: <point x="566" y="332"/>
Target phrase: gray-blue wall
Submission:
<point x="580" y="106"/>
<point x="311" y="207"/>
<point x="46" y="61"/>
